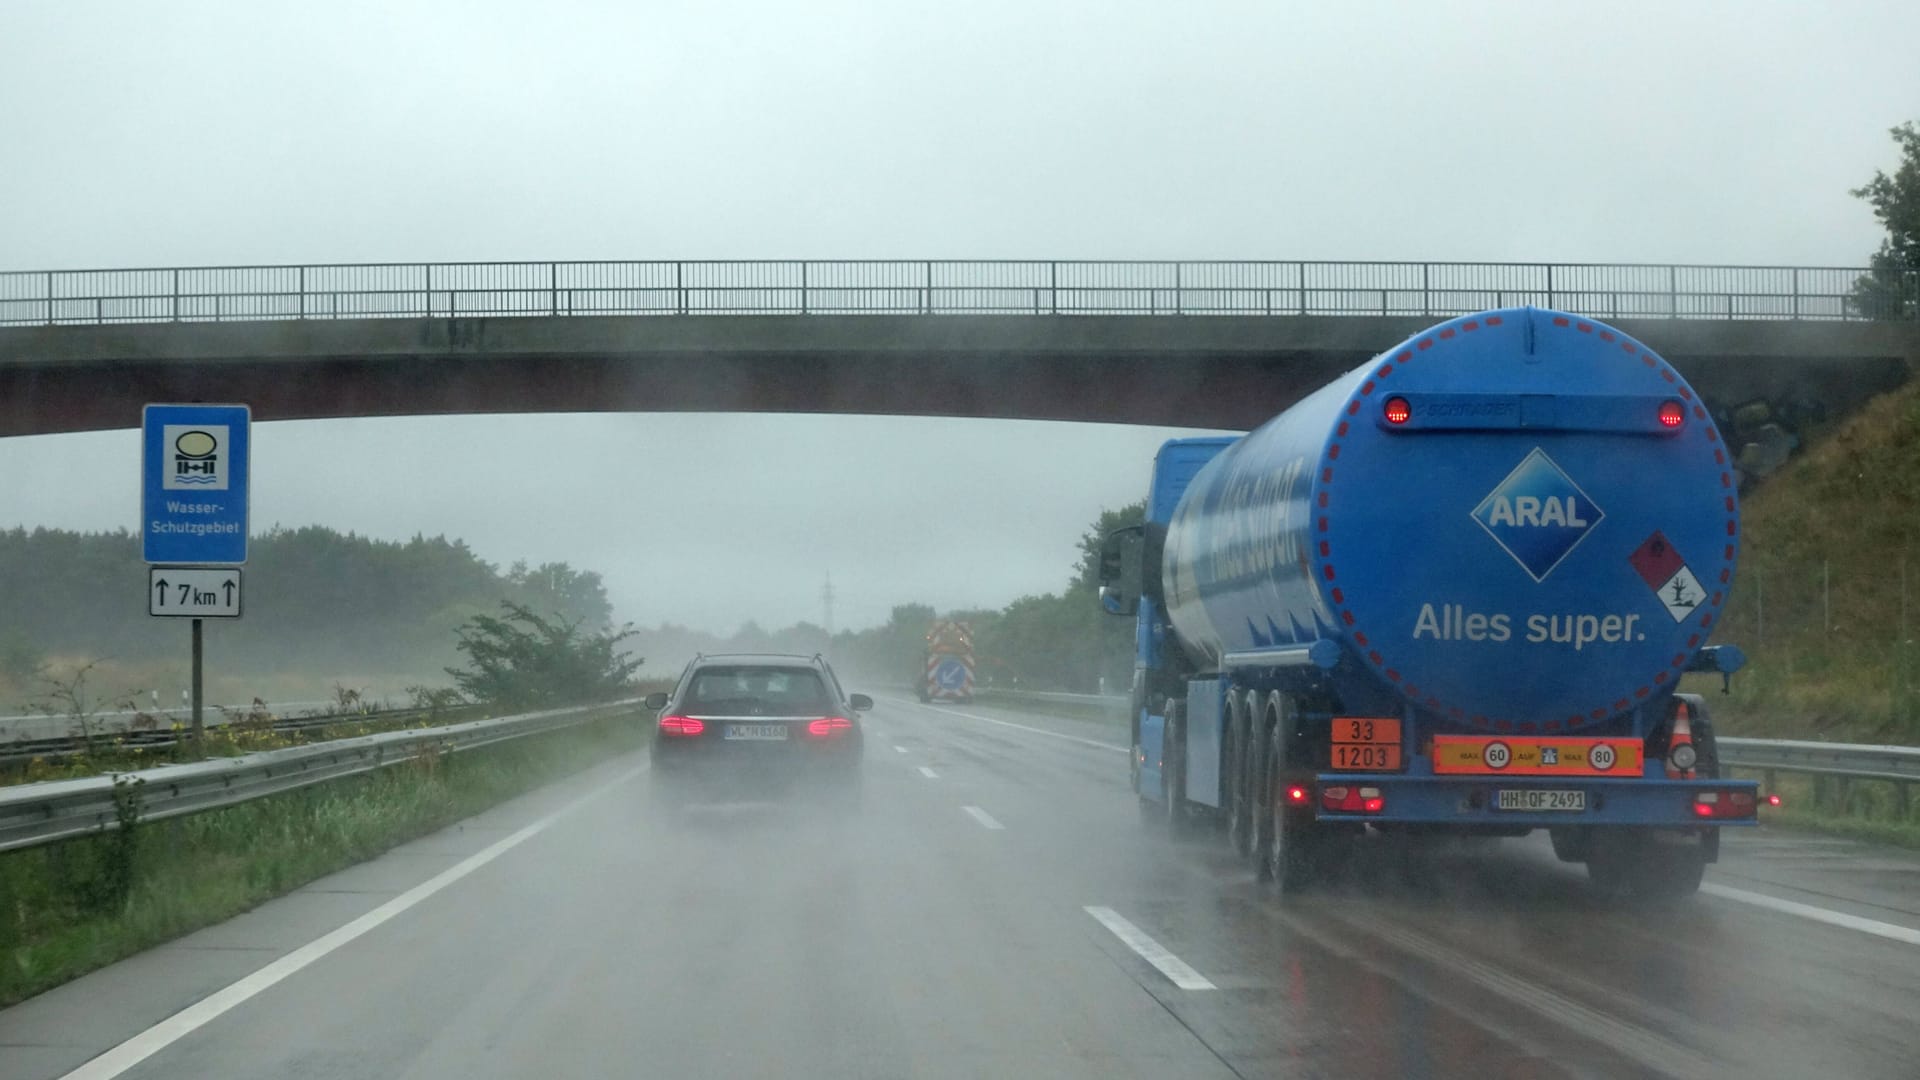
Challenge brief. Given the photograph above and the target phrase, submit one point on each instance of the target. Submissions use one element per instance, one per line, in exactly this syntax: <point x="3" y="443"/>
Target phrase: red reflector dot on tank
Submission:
<point x="1672" y="415"/>
<point x="1397" y="410"/>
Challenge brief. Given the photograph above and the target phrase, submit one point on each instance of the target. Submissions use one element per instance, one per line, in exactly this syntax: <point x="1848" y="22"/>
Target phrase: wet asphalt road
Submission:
<point x="945" y="931"/>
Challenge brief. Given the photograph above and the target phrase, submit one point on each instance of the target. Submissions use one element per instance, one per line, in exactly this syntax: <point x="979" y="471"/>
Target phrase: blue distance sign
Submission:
<point x="193" y="484"/>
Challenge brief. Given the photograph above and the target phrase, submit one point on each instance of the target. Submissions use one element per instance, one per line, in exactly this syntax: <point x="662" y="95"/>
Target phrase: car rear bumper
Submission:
<point x="733" y="770"/>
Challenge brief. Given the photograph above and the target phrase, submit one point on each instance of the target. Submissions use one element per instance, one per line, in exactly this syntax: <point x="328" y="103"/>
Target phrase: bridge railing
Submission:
<point x="931" y="287"/>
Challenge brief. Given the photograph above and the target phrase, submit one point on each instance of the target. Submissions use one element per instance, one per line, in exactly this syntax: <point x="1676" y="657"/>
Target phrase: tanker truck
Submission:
<point x="1451" y="592"/>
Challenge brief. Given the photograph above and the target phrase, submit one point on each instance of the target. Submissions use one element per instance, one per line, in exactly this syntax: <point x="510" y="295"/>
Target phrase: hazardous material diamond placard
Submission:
<point x="1666" y="573"/>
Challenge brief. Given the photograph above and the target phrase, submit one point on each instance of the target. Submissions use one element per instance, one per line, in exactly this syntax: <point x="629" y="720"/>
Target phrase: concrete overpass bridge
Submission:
<point x="1209" y="344"/>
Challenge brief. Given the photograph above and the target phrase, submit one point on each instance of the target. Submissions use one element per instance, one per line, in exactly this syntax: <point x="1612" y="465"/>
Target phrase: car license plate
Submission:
<point x="1540" y="800"/>
<point x="764" y="732"/>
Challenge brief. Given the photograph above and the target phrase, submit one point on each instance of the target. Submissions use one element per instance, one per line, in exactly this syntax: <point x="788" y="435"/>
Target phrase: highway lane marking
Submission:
<point x="1011" y="724"/>
<point x="929" y="773"/>
<point x="985" y="819"/>
<point x="1648" y="1048"/>
<point x="1891" y="931"/>
<point x="185" y="1022"/>
<point x="899" y="749"/>
<point x="1174" y="968"/>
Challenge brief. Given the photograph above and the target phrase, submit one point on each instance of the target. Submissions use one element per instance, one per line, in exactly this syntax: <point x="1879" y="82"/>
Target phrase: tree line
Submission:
<point x="315" y="600"/>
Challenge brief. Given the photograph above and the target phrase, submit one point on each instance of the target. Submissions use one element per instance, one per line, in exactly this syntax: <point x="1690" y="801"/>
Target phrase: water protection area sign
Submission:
<point x="194" y="474"/>
<point x="192" y="592"/>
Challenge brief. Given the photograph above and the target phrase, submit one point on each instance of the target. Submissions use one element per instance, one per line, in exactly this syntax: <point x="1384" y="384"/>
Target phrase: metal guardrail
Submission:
<point x="36" y="726"/>
<point x="1900" y="764"/>
<point x="1042" y="697"/>
<point x="34" y="814"/>
<point x="28" y="747"/>
<point x="930" y="287"/>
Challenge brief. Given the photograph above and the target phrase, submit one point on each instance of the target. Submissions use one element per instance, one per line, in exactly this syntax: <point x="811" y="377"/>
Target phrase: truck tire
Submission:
<point x="1572" y="843"/>
<point x="1240" y="777"/>
<point x="1635" y="864"/>
<point x="1291" y="856"/>
<point x="1259" y="785"/>
<point x="1173" y="770"/>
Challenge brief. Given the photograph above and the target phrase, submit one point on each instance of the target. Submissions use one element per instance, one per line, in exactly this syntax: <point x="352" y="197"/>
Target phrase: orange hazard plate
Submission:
<point x="1366" y="744"/>
<point x="1481" y="756"/>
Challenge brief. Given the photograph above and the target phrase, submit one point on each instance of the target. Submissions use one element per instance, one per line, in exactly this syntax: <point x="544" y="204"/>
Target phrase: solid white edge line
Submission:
<point x="190" y="1019"/>
<point x="1174" y="968"/>
<point x="1891" y="931"/>
<point x="1011" y="724"/>
<point x="985" y="819"/>
<point x="929" y="773"/>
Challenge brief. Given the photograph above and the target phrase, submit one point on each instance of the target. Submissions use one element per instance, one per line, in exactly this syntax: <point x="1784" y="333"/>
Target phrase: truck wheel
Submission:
<point x="1573" y="843"/>
<point x="1173" y="770"/>
<point x="1259" y="787"/>
<point x="1631" y="863"/>
<point x="1240" y="779"/>
<point x="1292" y="854"/>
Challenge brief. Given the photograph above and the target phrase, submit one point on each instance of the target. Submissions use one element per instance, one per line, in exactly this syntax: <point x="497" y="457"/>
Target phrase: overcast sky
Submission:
<point x="137" y="134"/>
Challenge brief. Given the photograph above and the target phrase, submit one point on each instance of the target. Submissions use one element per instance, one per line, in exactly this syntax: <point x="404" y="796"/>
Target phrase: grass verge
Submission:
<point x="1867" y="809"/>
<point x="69" y="908"/>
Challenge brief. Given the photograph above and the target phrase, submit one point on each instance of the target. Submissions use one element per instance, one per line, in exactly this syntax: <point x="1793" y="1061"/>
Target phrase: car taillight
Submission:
<point x="681" y="725"/>
<point x="1723" y="804"/>
<point x="1352" y="800"/>
<point x="828" y="726"/>
<point x="1672" y="414"/>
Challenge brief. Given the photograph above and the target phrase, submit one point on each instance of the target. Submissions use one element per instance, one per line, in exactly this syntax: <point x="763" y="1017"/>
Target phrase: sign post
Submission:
<point x="195" y="472"/>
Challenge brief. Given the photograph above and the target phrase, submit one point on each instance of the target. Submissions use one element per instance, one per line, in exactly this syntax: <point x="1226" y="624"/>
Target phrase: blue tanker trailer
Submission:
<point x="1452" y="591"/>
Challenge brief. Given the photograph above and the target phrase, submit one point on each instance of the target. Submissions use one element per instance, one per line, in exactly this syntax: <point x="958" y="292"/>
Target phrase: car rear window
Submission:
<point x="756" y="691"/>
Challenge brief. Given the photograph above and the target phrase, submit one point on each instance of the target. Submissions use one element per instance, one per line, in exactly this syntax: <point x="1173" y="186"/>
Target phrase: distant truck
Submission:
<point x="946" y="673"/>
<point x="1453" y="591"/>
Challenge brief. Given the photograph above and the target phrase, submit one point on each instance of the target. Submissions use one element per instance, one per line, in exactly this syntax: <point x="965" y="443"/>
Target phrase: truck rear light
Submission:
<point x="1397" y="411"/>
<point x="1773" y="800"/>
<point x="1352" y="800"/>
<point x="1723" y="804"/>
<point x="1672" y="414"/>
<point x="828" y="726"/>
<point x="1296" y="796"/>
<point x="680" y="726"/>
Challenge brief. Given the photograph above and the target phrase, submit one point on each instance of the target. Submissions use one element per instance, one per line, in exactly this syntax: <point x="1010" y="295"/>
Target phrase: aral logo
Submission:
<point x="1537" y="514"/>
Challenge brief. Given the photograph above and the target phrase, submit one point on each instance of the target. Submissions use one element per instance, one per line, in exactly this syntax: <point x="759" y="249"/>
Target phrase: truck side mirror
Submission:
<point x="1122" y="569"/>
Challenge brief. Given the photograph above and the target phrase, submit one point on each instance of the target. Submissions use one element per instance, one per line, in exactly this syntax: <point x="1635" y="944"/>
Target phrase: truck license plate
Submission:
<point x="1540" y="800"/>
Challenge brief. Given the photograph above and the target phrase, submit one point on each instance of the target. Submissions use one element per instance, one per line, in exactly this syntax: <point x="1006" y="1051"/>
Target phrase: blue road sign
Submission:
<point x="194" y="474"/>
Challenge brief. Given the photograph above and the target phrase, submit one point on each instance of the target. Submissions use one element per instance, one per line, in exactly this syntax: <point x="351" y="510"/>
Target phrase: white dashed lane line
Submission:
<point x="1174" y="968"/>
<point x="985" y="819"/>
<point x="1890" y="931"/>
<point x="929" y="773"/>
